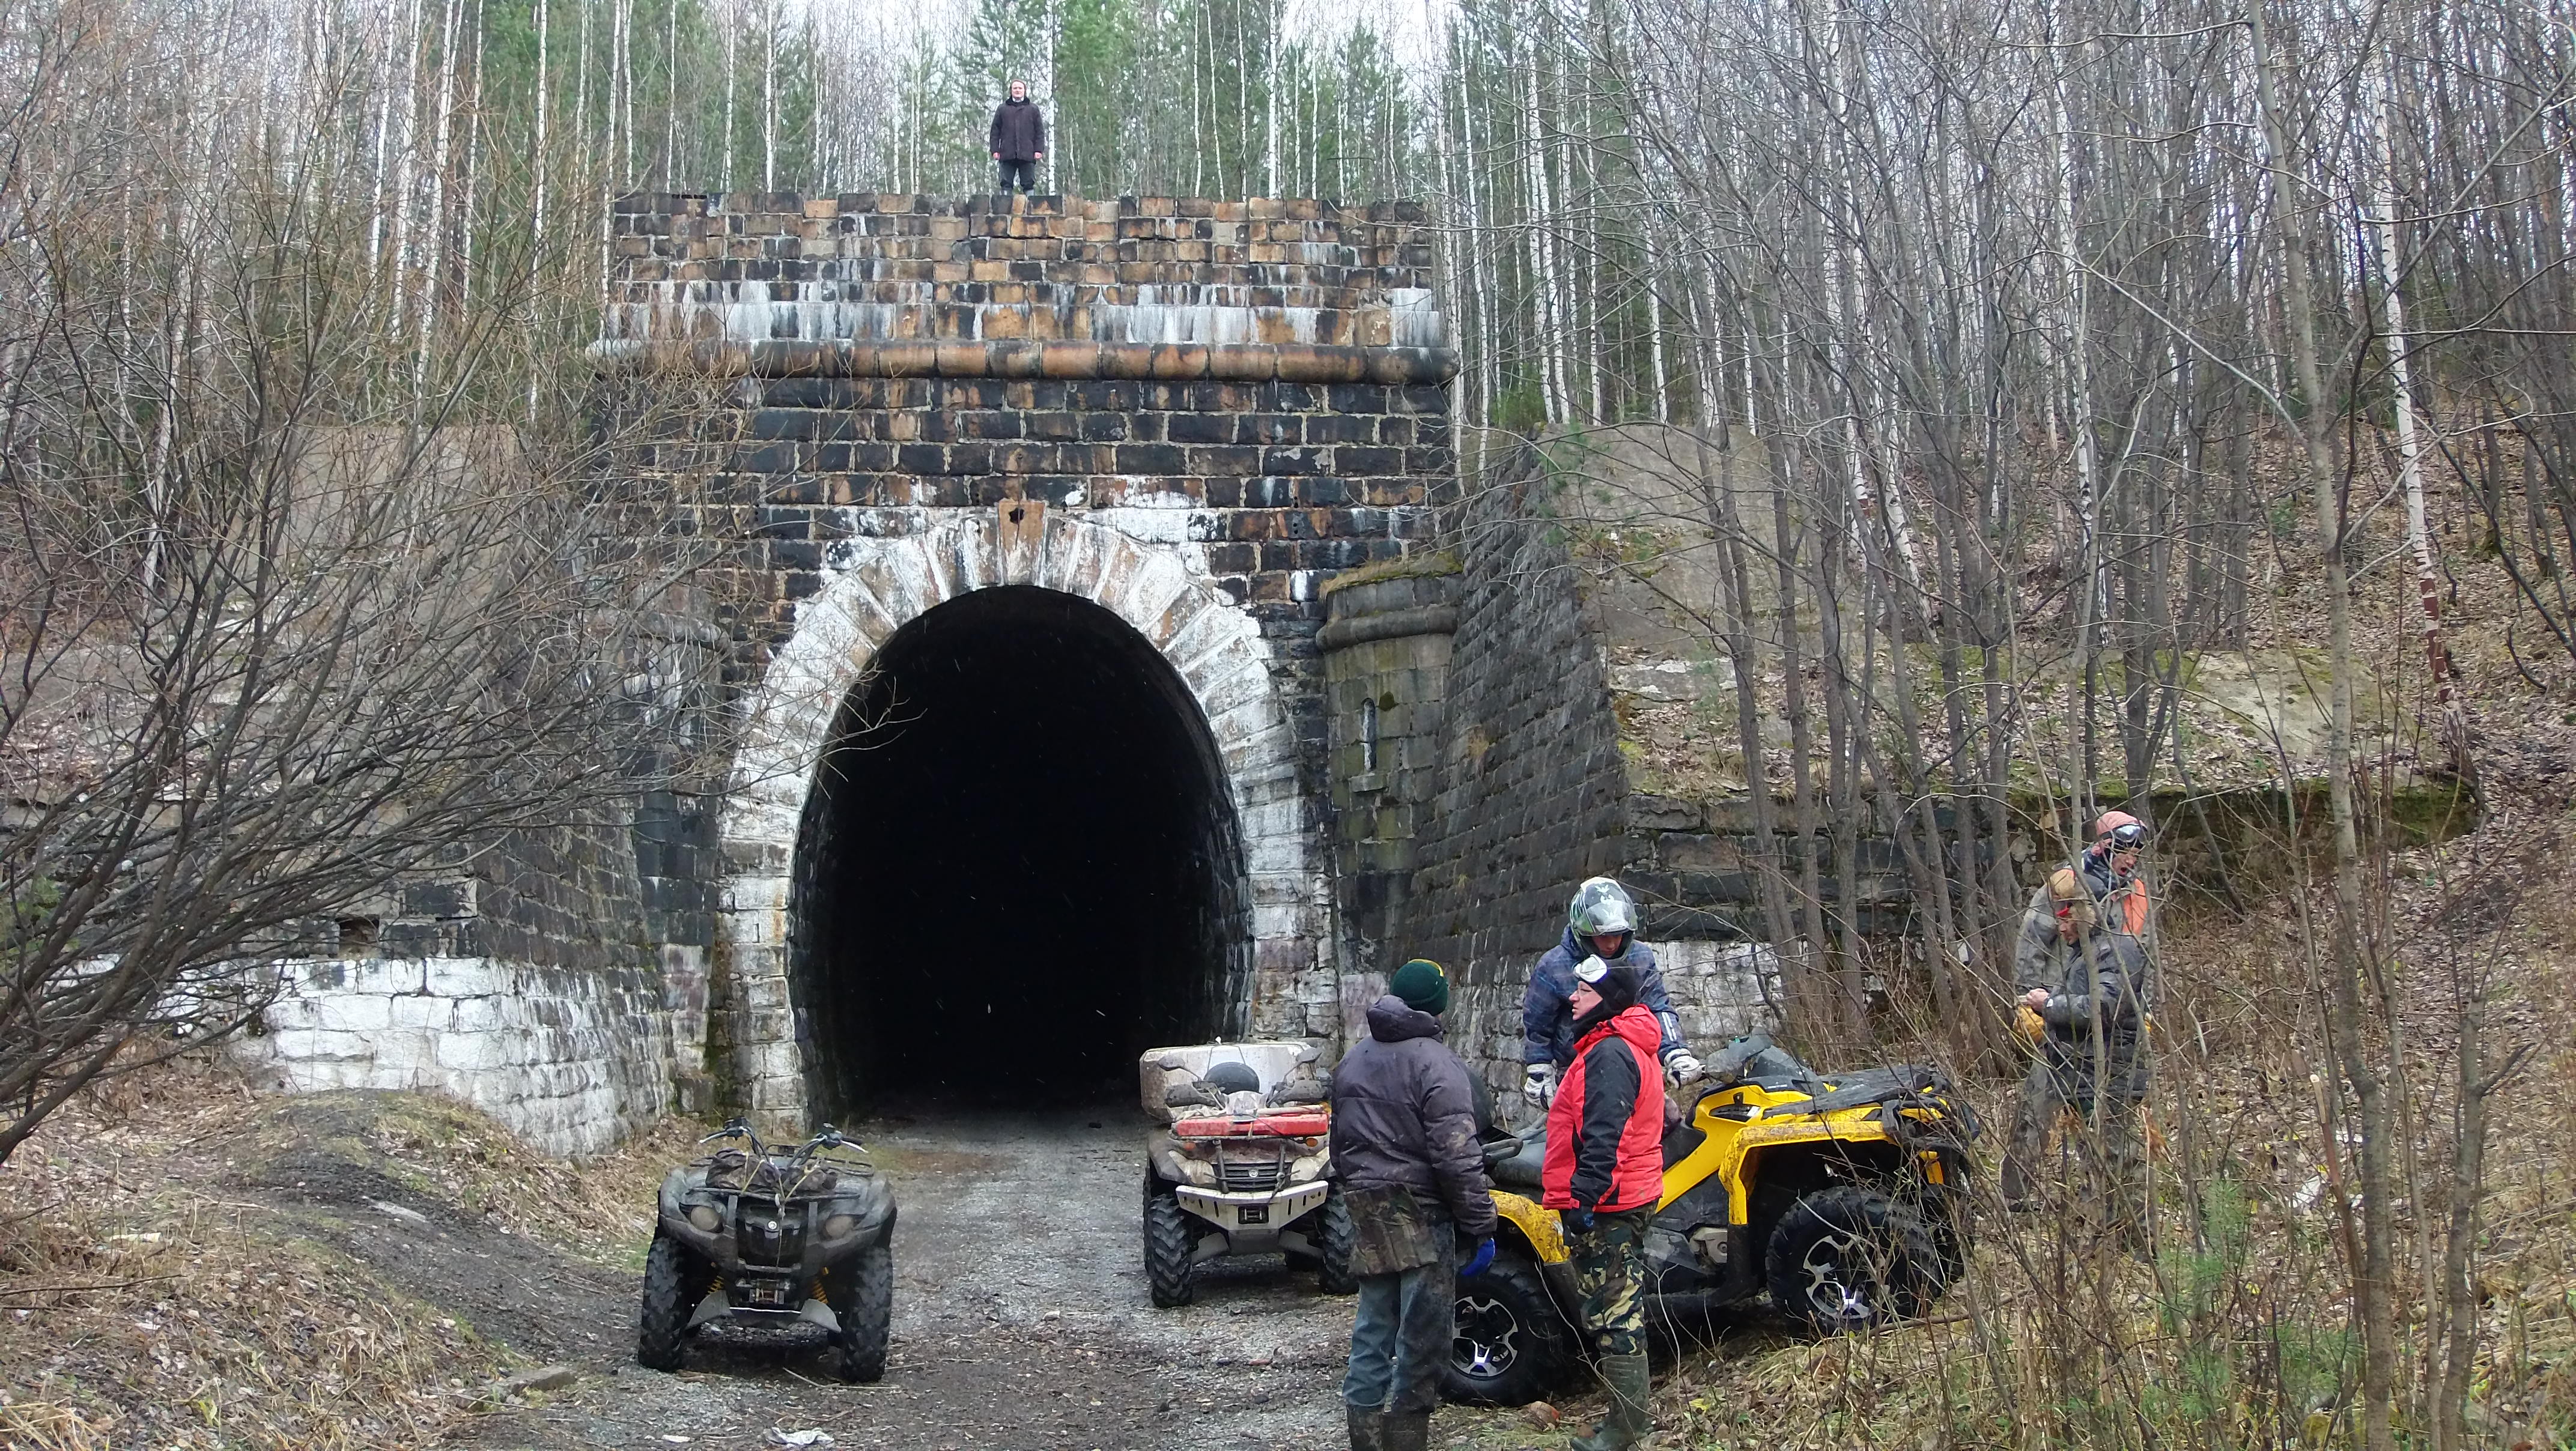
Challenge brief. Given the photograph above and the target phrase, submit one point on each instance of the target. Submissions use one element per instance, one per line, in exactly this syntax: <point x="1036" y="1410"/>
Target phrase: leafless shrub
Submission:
<point x="313" y="568"/>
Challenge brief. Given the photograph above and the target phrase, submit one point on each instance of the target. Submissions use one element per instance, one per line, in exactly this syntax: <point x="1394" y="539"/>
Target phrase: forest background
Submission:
<point x="2016" y="357"/>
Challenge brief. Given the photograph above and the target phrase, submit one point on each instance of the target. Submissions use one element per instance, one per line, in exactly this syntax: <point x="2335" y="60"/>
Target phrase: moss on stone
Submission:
<point x="1421" y="564"/>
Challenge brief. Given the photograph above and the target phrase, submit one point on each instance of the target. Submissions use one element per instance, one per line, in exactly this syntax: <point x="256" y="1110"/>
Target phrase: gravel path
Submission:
<point x="1021" y="1319"/>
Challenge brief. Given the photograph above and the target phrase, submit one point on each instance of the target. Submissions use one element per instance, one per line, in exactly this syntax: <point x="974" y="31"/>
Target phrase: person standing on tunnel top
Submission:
<point x="1601" y="923"/>
<point x="1018" y="138"/>
<point x="1404" y="1147"/>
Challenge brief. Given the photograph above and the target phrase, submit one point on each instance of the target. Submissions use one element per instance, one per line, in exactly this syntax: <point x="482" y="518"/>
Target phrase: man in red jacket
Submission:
<point x="1604" y="1174"/>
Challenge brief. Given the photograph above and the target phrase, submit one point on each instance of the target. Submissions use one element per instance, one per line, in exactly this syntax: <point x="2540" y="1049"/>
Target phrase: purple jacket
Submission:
<point x="1404" y="1113"/>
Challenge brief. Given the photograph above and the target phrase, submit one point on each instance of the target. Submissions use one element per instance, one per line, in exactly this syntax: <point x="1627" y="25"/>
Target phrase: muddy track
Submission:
<point x="1021" y="1318"/>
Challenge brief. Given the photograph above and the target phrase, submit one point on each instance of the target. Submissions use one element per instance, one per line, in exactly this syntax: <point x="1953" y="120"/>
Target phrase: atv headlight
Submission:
<point x="839" y="1225"/>
<point x="704" y="1216"/>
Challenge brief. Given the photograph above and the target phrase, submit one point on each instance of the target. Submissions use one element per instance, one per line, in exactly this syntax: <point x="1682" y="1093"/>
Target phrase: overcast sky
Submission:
<point x="1410" y="24"/>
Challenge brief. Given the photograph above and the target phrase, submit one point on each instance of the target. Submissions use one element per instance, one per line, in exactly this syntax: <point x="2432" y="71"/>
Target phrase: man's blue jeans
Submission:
<point x="1401" y="1338"/>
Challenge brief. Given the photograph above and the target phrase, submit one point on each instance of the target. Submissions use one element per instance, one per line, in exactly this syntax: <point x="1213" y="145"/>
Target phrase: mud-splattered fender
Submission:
<point x="1540" y="1233"/>
<point x="1543" y="1238"/>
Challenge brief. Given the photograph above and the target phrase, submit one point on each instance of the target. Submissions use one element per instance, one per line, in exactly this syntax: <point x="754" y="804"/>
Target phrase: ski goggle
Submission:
<point x="2128" y="837"/>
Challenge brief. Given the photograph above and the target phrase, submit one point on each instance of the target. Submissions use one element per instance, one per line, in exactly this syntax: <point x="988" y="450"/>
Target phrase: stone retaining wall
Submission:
<point x="1497" y="782"/>
<point x="570" y="1060"/>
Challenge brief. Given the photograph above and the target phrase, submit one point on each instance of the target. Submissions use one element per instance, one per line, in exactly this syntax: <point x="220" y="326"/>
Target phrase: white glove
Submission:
<point x="1539" y="1084"/>
<point x="1683" y="1066"/>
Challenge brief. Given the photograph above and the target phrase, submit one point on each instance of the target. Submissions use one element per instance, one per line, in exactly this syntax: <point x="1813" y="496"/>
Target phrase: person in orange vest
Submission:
<point x="1604" y="1174"/>
<point x="2110" y="868"/>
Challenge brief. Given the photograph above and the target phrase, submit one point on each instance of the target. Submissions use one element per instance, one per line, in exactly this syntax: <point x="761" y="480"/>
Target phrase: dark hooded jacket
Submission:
<point x="1547" y="1008"/>
<point x="2108" y="999"/>
<point x="1404" y="1114"/>
<point x="2122" y="898"/>
<point x="1019" y="131"/>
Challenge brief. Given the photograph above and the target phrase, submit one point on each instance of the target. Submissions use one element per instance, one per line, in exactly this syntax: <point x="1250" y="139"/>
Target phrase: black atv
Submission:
<point x="782" y="1246"/>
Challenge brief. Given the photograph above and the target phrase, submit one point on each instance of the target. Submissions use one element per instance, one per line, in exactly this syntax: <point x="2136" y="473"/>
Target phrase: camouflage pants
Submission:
<point x="1610" y="1276"/>
<point x="2113" y="1154"/>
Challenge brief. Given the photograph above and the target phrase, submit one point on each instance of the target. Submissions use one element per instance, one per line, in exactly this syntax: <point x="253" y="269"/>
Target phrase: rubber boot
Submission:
<point x="1407" y="1430"/>
<point x="1368" y="1428"/>
<point x="1628" y="1420"/>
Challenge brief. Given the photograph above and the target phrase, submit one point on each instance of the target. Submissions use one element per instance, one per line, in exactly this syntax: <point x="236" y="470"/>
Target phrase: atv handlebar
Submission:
<point x="739" y="1128"/>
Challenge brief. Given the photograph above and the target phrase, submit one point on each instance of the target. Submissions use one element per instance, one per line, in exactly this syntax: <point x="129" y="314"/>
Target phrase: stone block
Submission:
<point x="1663" y="813"/>
<point x="351" y="1013"/>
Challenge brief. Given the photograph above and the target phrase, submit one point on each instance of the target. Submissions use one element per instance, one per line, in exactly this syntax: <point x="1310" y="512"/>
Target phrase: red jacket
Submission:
<point x="1605" y="1131"/>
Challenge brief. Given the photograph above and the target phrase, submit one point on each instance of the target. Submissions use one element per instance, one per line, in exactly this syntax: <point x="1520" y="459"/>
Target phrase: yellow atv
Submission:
<point x="1842" y="1195"/>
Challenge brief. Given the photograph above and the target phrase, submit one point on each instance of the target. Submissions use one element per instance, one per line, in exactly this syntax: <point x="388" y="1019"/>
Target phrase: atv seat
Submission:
<point x="1680" y="1138"/>
<point x="1876" y="1085"/>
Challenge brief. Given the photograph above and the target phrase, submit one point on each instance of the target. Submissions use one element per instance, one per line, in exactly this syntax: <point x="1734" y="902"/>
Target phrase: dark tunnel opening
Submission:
<point x="1018" y="866"/>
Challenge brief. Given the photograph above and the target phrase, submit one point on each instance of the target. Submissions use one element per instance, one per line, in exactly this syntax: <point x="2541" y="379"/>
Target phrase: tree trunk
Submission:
<point x="2373" y="1282"/>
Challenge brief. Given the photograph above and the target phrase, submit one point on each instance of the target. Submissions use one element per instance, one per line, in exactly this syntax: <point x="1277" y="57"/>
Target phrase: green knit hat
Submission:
<point x="1423" y="984"/>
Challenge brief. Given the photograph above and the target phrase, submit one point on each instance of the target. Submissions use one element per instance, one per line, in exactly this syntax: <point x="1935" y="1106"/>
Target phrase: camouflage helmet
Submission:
<point x="1601" y="908"/>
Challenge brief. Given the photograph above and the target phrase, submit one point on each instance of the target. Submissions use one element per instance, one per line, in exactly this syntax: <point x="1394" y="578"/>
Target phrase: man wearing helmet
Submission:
<point x="2110" y="868"/>
<point x="2082" y="968"/>
<point x="1601" y="923"/>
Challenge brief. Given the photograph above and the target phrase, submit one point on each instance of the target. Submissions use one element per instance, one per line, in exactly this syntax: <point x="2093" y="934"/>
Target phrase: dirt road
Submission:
<point x="1021" y="1318"/>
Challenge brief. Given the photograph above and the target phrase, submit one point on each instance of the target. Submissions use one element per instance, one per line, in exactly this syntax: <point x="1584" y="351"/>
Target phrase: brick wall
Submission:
<point x="1256" y="388"/>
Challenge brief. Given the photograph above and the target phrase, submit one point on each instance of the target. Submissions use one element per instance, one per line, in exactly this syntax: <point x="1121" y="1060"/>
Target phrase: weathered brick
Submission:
<point x="1148" y="458"/>
<point x="1201" y="428"/>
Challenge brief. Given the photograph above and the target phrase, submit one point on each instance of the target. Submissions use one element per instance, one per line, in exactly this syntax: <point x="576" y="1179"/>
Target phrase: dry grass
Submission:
<point x="142" y="1302"/>
<point x="140" y="1307"/>
<point x="601" y="1211"/>
<point x="2236" y="1331"/>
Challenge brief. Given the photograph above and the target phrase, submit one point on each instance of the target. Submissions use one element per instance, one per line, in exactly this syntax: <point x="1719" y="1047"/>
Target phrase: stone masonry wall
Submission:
<point x="1386" y="660"/>
<point x="1255" y="388"/>
<point x="1531" y="786"/>
<point x="572" y="1060"/>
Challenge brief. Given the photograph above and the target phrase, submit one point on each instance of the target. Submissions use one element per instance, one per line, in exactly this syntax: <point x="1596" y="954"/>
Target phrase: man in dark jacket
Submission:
<point x="2110" y="868"/>
<point x="1600" y="923"/>
<point x="2057" y="931"/>
<point x="1404" y="1148"/>
<point x="1603" y="1176"/>
<point x="1018" y="138"/>
<point x="2093" y="1057"/>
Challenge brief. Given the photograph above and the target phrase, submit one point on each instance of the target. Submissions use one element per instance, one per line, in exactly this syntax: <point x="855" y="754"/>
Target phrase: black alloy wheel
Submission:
<point x="1849" y="1257"/>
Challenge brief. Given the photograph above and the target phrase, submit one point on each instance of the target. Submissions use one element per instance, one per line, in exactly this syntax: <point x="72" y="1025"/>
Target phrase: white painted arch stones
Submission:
<point x="898" y="566"/>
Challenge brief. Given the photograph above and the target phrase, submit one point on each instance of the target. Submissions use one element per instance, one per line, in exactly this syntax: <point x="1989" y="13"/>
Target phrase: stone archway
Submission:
<point x="875" y="586"/>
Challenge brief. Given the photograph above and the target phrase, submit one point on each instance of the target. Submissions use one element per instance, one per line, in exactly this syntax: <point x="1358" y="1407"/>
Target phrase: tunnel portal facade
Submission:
<point x="1011" y="801"/>
<point x="1038" y="504"/>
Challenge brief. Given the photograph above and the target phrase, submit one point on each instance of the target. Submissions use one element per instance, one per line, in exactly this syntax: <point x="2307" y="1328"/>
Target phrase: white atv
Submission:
<point x="1238" y="1166"/>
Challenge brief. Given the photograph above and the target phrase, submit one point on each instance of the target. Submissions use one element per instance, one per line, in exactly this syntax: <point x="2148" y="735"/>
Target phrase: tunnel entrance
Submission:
<point x="1018" y="866"/>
